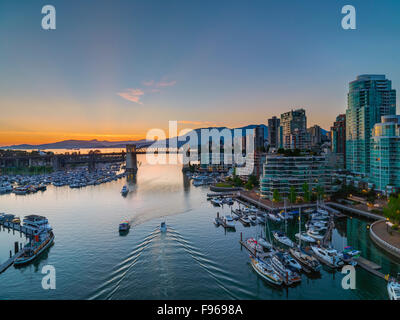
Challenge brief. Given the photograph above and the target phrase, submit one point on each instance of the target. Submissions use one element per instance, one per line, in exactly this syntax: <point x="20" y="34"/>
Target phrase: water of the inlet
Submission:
<point x="193" y="260"/>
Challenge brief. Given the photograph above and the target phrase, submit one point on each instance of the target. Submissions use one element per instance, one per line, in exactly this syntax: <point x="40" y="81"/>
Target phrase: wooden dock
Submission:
<point x="371" y="267"/>
<point x="17" y="227"/>
<point x="10" y="261"/>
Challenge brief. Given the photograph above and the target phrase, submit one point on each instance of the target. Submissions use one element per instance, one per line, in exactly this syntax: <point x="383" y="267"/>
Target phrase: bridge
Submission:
<point x="60" y="161"/>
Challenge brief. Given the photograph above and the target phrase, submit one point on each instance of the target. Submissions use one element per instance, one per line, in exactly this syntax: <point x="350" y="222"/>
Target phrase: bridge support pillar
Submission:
<point x="131" y="161"/>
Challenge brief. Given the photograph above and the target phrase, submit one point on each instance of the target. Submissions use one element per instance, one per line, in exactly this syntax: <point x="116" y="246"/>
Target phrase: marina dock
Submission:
<point x="10" y="261"/>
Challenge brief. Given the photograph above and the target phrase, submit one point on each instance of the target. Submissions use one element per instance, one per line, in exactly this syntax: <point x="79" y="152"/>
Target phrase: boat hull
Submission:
<point x="22" y="261"/>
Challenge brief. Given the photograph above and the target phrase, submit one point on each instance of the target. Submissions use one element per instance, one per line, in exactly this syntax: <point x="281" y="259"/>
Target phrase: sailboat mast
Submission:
<point x="299" y="227"/>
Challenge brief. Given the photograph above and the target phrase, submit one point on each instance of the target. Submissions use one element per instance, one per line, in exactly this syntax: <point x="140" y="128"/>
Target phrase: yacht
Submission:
<point x="308" y="262"/>
<point x="314" y="234"/>
<point x="393" y="288"/>
<point x="273" y="217"/>
<point x="265" y="270"/>
<point x="291" y="263"/>
<point x="43" y="238"/>
<point x="264" y="243"/>
<point x="282" y="238"/>
<point x="304" y="237"/>
<point x="244" y="220"/>
<point x="216" y="202"/>
<point x="289" y="277"/>
<point x="328" y="256"/>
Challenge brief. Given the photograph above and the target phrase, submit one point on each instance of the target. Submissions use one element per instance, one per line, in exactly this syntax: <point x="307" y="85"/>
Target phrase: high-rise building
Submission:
<point x="315" y="135"/>
<point x="259" y="138"/>
<point x="338" y="136"/>
<point x="385" y="155"/>
<point x="370" y="97"/>
<point x="294" y="130"/>
<point x="273" y="132"/>
<point x="280" y="173"/>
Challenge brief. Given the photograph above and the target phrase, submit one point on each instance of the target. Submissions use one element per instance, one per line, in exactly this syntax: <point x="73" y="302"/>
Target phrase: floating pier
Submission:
<point x="10" y="261"/>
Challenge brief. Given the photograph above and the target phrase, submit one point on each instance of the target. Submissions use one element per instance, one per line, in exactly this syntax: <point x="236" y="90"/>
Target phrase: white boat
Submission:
<point x="323" y="212"/>
<point x="273" y="217"/>
<point x="282" y="238"/>
<point x="265" y="270"/>
<point x="289" y="277"/>
<point x="308" y="262"/>
<point x="245" y="220"/>
<point x="314" y="234"/>
<point x="393" y="289"/>
<point x="163" y="227"/>
<point x="329" y="256"/>
<point x="291" y="263"/>
<point x="228" y="221"/>
<point x="264" y="243"/>
<point x="304" y="237"/>
<point x="216" y="202"/>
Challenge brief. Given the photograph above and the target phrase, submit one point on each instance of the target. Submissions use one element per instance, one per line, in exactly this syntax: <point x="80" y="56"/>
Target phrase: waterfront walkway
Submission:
<point x="385" y="238"/>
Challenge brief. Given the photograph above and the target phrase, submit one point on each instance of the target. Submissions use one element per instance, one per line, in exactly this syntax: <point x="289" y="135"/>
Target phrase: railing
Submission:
<point x="386" y="245"/>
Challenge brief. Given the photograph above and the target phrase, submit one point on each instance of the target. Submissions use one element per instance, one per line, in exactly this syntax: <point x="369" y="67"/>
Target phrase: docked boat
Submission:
<point x="245" y="220"/>
<point x="273" y="217"/>
<point x="308" y="262"/>
<point x="290" y="262"/>
<point x="304" y="237"/>
<point x="264" y="243"/>
<point x="282" y="238"/>
<point x="163" y="227"/>
<point x="393" y="288"/>
<point x="312" y="232"/>
<point x="266" y="271"/>
<point x="254" y="245"/>
<point x="124" y="226"/>
<point x="329" y="256"/>
<point x="216" y="202"/>
<point x="349" y="252"/>
<point x="289" y="277"/>
<point x="16" y="220"/>
<point x="43" y="238"/>
<point x="124" y="190"/>
<point x="228" y="222"/>
<point x="253" y="220"/>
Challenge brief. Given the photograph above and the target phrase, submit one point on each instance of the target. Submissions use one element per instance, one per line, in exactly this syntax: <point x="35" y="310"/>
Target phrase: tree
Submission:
<point x="306" y="191"/>
<point x="392" y="209"/>
<point x="276" y="197"/>
<point x="320" y="192"/>
<point x="292" y="195"/>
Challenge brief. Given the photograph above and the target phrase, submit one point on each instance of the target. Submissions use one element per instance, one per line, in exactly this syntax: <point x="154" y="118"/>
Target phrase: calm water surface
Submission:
<point x="193" y="260"/>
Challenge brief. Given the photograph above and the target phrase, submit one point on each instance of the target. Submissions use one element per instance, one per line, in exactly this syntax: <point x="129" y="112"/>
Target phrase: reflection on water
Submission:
<point x="193" y="259"/>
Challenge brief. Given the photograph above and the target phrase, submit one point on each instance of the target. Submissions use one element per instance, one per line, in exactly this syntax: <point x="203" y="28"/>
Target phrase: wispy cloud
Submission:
<point x="151" y="86"/>
<point x="133" y="95"/>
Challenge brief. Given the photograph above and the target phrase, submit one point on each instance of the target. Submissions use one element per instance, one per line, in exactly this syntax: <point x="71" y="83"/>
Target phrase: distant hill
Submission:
<point x="74" y="144"/>
<point x="96" y="144"/>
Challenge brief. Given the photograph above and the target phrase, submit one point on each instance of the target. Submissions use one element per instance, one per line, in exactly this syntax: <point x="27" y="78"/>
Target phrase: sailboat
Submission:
<point x="281" y="236"/>
<point x="265" y="270"/>
<point x="307" y="261"/>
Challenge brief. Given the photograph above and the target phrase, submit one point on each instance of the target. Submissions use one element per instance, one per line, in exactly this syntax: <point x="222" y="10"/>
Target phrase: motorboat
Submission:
<point x="350" y="252"/>
<point x="228" y="221"/>
<point x="273" y="217"/>
<point x="329" y="256"/>
<point x="16" y="220"/>
<point x="163" y="227"/>
<point x="124" y="190"/>
<point x="282" y="238"/>
<point x="304" y="237"/>
<point x="124" y="226"/>
<point x="314" y="234"/>
<point x="244" y="220"/>
<point x="216" y="202"/>
<point x="264" y="243"/>
<point x="253" y="220"/>
<point x="393" y="288"/>
<point x="289" y="277"/>
<point x="307" y="261"/>
<point x="290" y="262"/>
<point x="266" y="271"/>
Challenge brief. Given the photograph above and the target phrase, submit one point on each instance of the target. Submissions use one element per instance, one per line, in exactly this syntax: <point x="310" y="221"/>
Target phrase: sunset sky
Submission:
<point x="114" y="69"/>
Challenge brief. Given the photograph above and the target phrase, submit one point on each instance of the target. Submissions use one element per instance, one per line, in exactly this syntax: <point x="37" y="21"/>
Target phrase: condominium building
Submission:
<point x="273" y="132"/>
<point x="315" y="135"/>
<point x="370" y="97"/>
<point x="294" y="130"/>
<point x="281" y="173"/>
<point x="338" y="136"/>
<point x="385" y="155"/>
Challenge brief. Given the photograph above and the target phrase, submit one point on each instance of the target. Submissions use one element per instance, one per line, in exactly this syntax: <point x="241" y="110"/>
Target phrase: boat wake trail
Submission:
<point x="121" y="270"/>
<point x="219" y="274"/>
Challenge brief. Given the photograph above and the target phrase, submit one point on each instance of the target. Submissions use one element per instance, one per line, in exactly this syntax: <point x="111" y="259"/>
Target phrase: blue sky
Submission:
<point x="115" y="68"/>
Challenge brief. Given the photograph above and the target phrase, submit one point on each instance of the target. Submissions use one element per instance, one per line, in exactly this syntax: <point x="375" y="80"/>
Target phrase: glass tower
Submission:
<point x="370" y="97"/>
